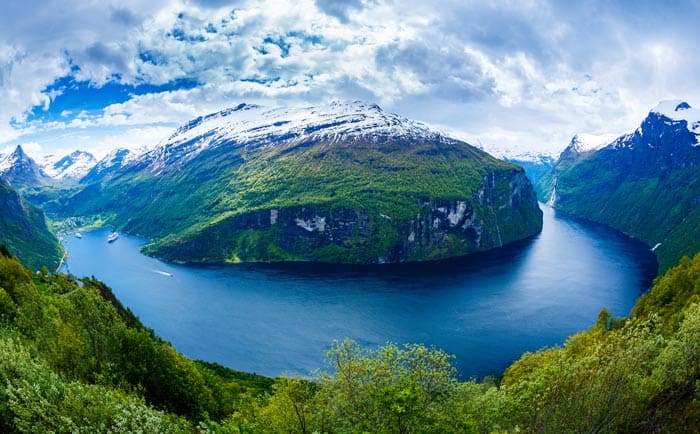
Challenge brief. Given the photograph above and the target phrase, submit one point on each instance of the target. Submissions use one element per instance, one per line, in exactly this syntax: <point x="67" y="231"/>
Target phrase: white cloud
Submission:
<point x="515" y="72"/>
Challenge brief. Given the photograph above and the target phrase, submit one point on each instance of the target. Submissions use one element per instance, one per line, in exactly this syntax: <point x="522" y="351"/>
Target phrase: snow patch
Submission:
<point x="583" y="142"/>
<point x="251" y="126"/>
<point x="678" y="111"/>
<point x="72" y="166"/>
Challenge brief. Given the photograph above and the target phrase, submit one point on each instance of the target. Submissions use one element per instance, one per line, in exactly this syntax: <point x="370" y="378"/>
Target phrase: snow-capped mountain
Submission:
<point x="253" y="126"/>
<point x="582" y="142"/>
<point x="73" y="166"/>
<point x="679" y="112"/>
<point x="645" y="183"/>
<point x="343" y="182"/>
<point x="108" y="165"/>
<point x="525" y="154"/>
<point x="19" y="169"/>
<point x="671" y="123"/>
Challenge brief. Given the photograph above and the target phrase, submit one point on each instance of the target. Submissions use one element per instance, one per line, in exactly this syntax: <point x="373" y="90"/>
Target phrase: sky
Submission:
<point x="512" y="74"/>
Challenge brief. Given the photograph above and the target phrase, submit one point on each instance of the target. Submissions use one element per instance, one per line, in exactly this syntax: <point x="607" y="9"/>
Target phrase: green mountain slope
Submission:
<point x="23" y="230"/>
<point x="348" y="183"/>
<point x="646" y="184"/>
<point x="539" y="171"/>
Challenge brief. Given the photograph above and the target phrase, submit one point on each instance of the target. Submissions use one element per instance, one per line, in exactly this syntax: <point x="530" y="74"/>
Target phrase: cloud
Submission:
<point x="339" y="8"/>
<point x="533" y="71"/>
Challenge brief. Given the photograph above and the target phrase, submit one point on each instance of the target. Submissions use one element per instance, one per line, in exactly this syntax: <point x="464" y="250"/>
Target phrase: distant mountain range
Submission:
<point x="334" y="183"/>
<point x="21" y="170"/>
<point x="72" y="166"/>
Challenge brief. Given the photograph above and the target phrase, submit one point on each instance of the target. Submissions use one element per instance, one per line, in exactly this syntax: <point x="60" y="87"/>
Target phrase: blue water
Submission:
<point x="486" y="309"/>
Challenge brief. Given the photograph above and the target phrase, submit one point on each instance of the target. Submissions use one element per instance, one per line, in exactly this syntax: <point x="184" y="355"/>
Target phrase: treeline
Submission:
<point x="73" y="359"/>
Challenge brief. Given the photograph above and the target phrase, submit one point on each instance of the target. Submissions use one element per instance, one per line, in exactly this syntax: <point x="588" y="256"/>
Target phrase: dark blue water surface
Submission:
<point x="486" y="309"/>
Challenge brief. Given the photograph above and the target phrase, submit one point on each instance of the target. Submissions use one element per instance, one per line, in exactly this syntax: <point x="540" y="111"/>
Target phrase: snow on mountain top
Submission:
<point x="249" y="125"/>
<point x="524" y="154"/>
<point x="252" y="123"/>
<point x="73" y="166"/>
<point x="583" y="142"/>
<point x="9" y="160"/>
<point x="678" y="110"/>
<point x="116" y="157"/>
<point x="120" y="154"/>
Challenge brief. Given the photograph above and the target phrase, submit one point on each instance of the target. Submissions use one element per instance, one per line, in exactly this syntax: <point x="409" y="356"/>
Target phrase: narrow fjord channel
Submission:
<point x="486" y="309"/>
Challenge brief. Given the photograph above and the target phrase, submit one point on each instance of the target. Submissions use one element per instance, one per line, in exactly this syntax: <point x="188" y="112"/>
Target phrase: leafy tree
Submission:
<point x="391" y="389"/>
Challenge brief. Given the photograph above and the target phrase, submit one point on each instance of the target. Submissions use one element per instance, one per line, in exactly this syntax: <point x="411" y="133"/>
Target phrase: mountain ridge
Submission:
<point x="644" y="183"/>
<point x="340" y="182"/>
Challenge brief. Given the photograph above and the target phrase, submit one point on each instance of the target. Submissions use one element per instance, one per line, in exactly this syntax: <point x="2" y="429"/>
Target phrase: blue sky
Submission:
<point x="509" y="74"/>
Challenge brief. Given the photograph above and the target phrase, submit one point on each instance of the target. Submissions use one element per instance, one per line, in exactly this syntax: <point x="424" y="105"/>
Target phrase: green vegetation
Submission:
<point x="540" y="173"/>
<point x="653" y="207"/>
<point x="73" y="359"/>
<point x="217" y="206"/>
<point x="24" y="232"/>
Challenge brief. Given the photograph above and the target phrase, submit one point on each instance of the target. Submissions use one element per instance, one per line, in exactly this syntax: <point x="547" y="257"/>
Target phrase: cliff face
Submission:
<point x="502" y="211"/>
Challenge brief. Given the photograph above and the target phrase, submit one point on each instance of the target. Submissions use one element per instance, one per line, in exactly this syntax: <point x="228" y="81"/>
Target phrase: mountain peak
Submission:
<point x="19" y="151"/>
<point x="682" y="106"/>
<point x="679" y="111"/>
<point x="72" y="166"/>
<point x="19" y="169"/>
<point x="252" y="126"/>
<point x="583" y="142"/>
<point x="109" y="164"/>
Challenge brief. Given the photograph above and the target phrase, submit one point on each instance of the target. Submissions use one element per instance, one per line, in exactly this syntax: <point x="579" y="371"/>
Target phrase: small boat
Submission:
<point x="78" y="235"/>
<point x="112" y="237"/>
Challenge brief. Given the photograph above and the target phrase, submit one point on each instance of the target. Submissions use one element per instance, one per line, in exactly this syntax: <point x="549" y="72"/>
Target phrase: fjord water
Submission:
<point x="486" y="309"/>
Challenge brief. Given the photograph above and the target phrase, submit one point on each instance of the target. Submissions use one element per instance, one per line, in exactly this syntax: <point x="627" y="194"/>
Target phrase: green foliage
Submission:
<point x="655" y="207"/>
<point x="217" y="207"/>
<point x="387" y="390"/>
<point x="24" y="232"/>
<point x="75" y="360"/>
<point x="33" y="398"/>
<point x="672" y="294"/>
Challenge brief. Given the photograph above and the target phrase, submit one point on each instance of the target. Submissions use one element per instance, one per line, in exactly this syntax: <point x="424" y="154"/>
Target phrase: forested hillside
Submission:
<point x="645" y="184"/>
<point x="73" y="359"/>
<point x="24" y="232"/>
